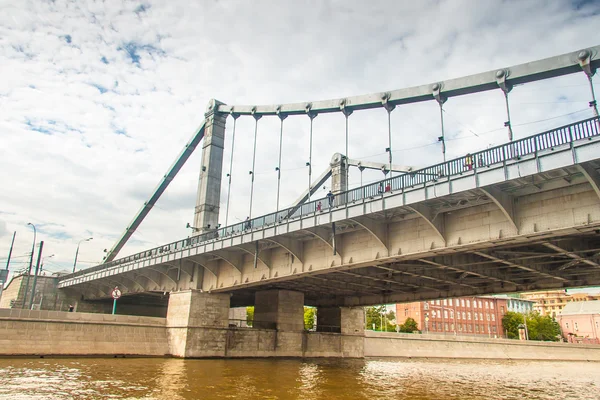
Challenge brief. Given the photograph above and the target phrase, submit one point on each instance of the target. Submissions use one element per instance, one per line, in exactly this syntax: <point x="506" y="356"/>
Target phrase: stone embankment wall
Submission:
<point x="378" y="344"/>
<point x="25" y="332"/>
<point x="41" y="333"/>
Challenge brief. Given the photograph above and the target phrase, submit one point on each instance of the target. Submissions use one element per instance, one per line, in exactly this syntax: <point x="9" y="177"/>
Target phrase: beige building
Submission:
<point x="551" y="302"/>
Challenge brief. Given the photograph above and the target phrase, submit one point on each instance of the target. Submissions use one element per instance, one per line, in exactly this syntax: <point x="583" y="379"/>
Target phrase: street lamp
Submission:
<point x="42" y="266"/>
<point x="77" y="252"/>
<point x="30" y="264"/>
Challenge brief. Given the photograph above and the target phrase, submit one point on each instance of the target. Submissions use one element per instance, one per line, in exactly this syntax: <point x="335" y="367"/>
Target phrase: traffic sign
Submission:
<point x="116" y="293"/>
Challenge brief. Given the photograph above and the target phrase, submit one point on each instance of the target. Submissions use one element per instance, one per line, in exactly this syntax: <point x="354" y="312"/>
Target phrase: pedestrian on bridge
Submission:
<point x="248" y="224"/>
<point x="319" y="206"/>
<point x="469" y="161"/>
<point x="330" y="197"/>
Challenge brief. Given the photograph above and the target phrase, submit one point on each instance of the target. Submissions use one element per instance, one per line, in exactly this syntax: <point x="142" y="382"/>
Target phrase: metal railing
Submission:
<point x="566" y="134"/>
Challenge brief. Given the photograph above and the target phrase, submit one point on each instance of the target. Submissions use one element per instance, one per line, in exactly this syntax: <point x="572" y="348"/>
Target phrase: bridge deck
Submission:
<point x="554" y="158"/>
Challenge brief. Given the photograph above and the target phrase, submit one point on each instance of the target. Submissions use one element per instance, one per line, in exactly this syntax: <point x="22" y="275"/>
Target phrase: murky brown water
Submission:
<point x="295" y="379"/>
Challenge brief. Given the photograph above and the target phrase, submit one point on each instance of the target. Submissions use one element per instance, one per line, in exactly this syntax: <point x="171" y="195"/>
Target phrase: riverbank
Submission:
<point x="53" y="333"/>
<point x="383" y="344"/>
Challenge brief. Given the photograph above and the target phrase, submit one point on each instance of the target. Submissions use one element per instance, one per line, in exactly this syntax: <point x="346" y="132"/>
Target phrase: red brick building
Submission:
<point x="461" y="316"/>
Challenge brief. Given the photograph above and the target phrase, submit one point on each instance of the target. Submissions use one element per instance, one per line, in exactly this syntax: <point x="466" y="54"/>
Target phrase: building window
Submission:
<point x="493" y="317"/>
<point x="477" y="328"/>
<point x="492" y="305"/>
<point x="406" y="312"/>
<point x="475" y="316"/>
<point x="481" y="316"/>
<point x="576" y="326"/>
<point x="462" y="302"/>
<point x="451" y="314"/>
<point x="469" y="315"/>
<point x="487" y="316"/>
<point x="567" y="325"/>
<point x="480" y="305"/>
<point x="494" y="328"/>
<point x="464" y="315"/>
<point x="446" y="327"/>
<point x="437" y="302"/>
<point x="487" y="305"/>
<point x="433" y="314"/>
<point x="502" y="309"/>
<point x="468" y="303"/>
<point x="469" y="328"/>
<point x="446" y="314"/>
<point x="452" y="327"/>
<point x="450" y="301"/>
<point x="445" y="302"/>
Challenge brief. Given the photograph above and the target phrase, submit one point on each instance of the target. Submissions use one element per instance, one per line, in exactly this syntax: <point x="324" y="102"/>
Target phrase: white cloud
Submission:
<point x="98" y="98"/>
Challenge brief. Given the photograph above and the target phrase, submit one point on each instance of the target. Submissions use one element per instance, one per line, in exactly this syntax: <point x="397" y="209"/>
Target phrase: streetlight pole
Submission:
<point x="35" y="275"/>
<point x="30" y="264"/>
<point x="77" y="252"/>
<point x="44" y="258"/>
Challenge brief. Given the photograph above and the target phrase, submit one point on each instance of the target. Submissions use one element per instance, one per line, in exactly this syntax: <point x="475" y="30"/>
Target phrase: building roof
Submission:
<point x="581" y="307"/>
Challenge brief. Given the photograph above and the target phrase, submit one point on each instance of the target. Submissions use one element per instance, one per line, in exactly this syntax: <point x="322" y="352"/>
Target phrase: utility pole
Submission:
<point x="30" y="264"/>
<point x="4" y="274"/>
<point x="11" y="249"/>
<point x="37" y="268"/>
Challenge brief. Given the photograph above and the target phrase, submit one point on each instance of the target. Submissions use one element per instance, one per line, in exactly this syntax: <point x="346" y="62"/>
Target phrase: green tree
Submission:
<point x="377" y="315"/>
<point x="250" y="315"/>
<point x="510" y="322"/>
<point x="409" y="326"/>
<point x="538" y="327"/>
<point x="542" y="328"/>
<point x="309" y="318"/>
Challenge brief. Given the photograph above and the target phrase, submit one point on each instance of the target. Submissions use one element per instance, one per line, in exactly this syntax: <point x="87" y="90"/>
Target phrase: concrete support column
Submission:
<point x="282" y="310"/>
<point x="350" y="323"/>
<point x="211" y="169"/>
<point x="197" y="324"/>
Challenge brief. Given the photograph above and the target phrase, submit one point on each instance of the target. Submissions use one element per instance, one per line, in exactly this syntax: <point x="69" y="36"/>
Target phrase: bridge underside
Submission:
<point x="544" y="263"/>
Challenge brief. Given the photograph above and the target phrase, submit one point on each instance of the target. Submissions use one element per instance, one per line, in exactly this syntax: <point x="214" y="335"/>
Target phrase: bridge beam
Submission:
<point x="592" y="176"/>
<point x="295" y="247"/>
<point x="201" y="261"/>
<point x="377" y="229"/>
<point x="505" y="203"/>
<point x="324" y="235"/>
<point x="263" y="256"/>
<point x="231" y="258"/>
<point x="435" y="221"/>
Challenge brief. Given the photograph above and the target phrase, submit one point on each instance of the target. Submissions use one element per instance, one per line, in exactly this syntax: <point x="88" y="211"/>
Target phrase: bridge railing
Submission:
<point x="566" y="134"/>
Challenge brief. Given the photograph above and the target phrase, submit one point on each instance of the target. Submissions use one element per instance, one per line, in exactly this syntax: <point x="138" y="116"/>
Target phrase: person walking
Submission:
<point x="330" y="197"/>
<point x="469" y="161"/>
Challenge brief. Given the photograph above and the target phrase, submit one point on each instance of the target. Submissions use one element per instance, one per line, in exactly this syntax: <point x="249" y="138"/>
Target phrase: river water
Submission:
<point x="154" y="378"/>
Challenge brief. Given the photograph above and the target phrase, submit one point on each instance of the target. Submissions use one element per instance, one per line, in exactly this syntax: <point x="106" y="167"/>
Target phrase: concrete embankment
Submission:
<point x="379" y="344"/>
<point x="54" y="333"/>
<point x="25" y="332"/>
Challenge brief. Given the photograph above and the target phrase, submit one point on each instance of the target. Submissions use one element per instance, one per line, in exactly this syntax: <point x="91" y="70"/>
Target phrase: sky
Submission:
<point x="97" y="98"/>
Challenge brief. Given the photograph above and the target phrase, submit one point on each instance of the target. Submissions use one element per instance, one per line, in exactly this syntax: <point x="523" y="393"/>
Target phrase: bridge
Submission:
<point x="517" y="217"/>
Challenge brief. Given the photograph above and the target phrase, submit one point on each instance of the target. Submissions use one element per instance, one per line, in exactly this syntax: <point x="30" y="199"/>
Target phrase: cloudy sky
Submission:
<point x="97" y="98"/>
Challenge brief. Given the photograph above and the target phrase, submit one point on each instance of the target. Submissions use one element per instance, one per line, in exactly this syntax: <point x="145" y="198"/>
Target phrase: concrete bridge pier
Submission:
<point x="349" y="322"/>
<point x="197" y="324"/>
<point x="283" y="311"/>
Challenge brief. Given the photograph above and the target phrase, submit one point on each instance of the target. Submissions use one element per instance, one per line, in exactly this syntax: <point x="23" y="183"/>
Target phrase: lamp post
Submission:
<point x="42" y="266"/>
<point x="77" y="251"/>
<point x="30" y="264"/>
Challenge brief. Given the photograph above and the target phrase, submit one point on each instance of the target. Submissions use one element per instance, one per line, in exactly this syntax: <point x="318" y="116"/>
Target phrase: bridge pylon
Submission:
<point x="206" y="212"/>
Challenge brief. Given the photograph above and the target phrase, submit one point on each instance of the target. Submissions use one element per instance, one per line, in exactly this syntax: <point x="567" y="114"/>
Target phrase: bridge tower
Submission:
<point x="339" y="173"/>
<point x="206" y="214"/>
